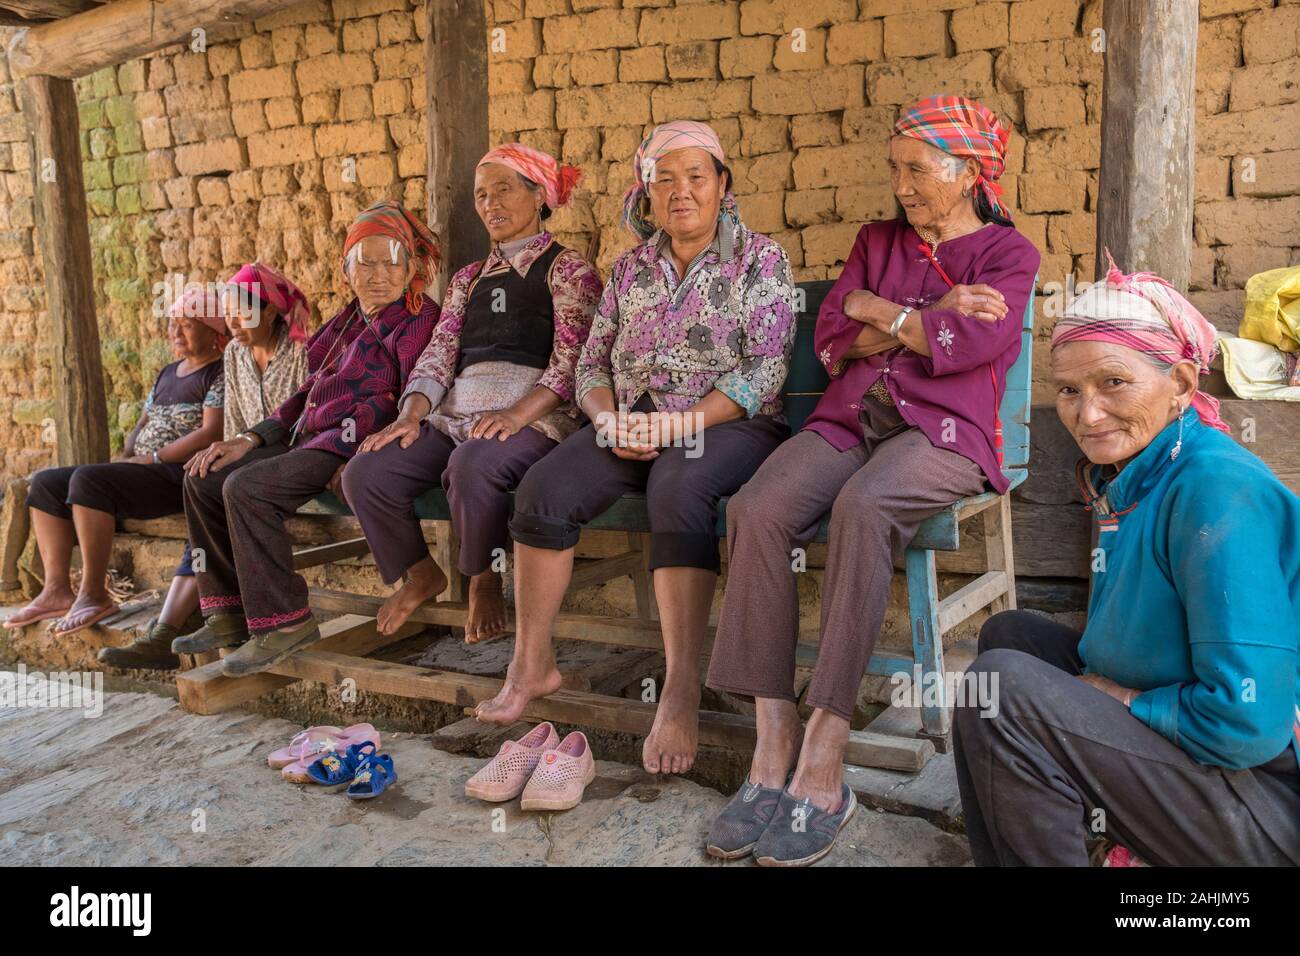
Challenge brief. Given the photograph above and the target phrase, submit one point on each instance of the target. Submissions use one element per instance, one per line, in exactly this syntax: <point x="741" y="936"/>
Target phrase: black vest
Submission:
<point x="509" y="317"/>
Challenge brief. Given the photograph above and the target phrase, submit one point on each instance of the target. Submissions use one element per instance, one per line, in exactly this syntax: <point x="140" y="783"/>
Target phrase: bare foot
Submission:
<point x="47" y="604"/>
<point x="675" y="736"/>
<point x="422" y="584"/>
<point x="487" y="608"/>
<point x="523" y="685"/>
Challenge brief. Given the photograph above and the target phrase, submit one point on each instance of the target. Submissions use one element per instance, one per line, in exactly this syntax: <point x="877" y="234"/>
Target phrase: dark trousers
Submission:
<point x="121" y="488"/>
<point x="877" y="493"/>
<point x="236" y="521"/>
<point x="580" y="479"/>
<point x="1062" y="762"/>
<point x="478" y="476"/>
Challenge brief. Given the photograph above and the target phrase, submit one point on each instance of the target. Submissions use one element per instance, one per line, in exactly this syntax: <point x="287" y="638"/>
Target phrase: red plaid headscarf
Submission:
<point x="395" y="221"/>
<point x="540" y="167"/>
<point x="963" y="128"/>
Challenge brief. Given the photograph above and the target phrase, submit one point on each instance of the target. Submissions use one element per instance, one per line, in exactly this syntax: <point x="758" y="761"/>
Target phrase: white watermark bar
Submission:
<point x="80" y="690"/>
<point x="950" y="688"/>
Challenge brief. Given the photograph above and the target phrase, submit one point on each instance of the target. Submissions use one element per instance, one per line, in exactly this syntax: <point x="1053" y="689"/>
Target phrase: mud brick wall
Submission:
<point x="265" y="143"/>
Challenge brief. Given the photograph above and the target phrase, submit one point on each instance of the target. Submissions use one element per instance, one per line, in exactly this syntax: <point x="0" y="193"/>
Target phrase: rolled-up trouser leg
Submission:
<point x="128" y="489"/>
<point x="776" y="510"/>
<point x="1056" y="761"/>
<point x="212" y="553"/>
<point x="478" y="480"/>
<point x="685" y="484"/>
<point x="47" y="491"/>
<point x="572" y="484"/>
<point x="258" y="500"/>
<point x="381" y="488"/>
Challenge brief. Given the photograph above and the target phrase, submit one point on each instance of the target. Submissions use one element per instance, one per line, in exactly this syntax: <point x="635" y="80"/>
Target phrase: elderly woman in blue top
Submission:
<point x="1170" y="725"/>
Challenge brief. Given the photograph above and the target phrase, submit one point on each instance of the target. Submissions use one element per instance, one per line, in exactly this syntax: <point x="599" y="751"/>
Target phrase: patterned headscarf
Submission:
<point x="1145" y="313"/>
<point x="270" y="286"/>
<point x="200" y="301"/>
<point x="395" y="221"/>
<point x="664" y="139"/>
<point x="540" y="167"/>
<point x="962" y="128"/>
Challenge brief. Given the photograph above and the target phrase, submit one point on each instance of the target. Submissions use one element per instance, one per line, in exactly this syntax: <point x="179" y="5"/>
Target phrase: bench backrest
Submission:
<point x="807" y="379"/>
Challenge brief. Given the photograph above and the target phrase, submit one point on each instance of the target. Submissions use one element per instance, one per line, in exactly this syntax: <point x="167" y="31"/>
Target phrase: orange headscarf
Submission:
<point x="395" y="221"/>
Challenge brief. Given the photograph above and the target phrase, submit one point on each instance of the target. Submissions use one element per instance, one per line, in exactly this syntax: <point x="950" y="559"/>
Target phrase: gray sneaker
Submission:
<point x="801" y="834"/>
<point x="742" y="821"/>
<point x="218" y="630"/>
<point x="267" y="650"/>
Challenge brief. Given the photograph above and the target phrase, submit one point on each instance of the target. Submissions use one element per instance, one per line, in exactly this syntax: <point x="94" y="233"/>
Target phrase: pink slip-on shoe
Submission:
<point x="561" y="776"/>
<point x="505" y="775"/>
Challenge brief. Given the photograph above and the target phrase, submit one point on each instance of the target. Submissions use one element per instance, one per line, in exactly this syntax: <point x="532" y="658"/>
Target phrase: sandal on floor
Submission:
<point x="561" y="777"/>
<point x="86" y="617"/>
<point x="313" y="739"/>
<point x="374" y="775"/>
<point x="336" y="769"/>
<point x="505" y="775"/>
<point x="36" y="618"/>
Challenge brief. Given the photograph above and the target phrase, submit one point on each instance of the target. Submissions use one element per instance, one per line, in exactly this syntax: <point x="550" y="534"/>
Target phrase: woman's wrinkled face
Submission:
<point x="508" y="208"/>
<point x="686" y="193"/>
<point x="380" y="273"/>
<point x="191" y="338"/>
<point x="927" y="182"/>
<point x="1113" y="401"/>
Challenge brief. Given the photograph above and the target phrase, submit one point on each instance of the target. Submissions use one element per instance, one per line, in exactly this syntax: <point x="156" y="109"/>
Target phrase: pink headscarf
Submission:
<point x="1145" y="313"/>
<point x="269" y="285"/>
<point x="664" y="139"/>
<point x="964" y="128"/>
<point x="201" y="302"/>
<point x="558" y="181"/>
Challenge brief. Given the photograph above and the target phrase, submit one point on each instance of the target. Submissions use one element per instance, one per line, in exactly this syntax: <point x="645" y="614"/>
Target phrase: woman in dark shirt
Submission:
<point x="80" y="504"/>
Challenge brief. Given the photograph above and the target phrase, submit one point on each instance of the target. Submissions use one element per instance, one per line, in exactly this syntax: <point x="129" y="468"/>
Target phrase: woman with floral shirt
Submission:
<point x="682" y="379"/>
<point x="492" y="394"/>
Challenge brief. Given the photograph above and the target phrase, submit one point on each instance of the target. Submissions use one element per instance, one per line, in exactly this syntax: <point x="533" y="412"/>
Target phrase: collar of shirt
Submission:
<point x="520" y="254"/>
<point x="1146" y="469"/>
<point x="282" y="346"/>
<point x="723" y="247"/>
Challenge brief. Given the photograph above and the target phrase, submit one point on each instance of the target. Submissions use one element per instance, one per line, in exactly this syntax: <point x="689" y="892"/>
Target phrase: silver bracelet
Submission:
<point x="898" y="322"/>
<point x="247" y="436"/>
<point x="157" y="458"/>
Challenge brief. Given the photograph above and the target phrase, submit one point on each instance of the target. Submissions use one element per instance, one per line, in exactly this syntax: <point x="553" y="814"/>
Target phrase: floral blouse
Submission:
<point x="575" y="289"/>
<point x="729" y="324"/>
<point x="251" y="394"/>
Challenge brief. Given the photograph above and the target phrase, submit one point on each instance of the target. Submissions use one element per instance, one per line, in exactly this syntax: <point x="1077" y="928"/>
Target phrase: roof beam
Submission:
<point x="124" y="30"/>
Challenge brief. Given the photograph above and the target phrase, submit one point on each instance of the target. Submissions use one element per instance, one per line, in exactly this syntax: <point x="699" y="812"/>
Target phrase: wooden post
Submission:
<point x="457" y="131"/>
<point x="50" y="108"/>
<point x="1144" y="209"/>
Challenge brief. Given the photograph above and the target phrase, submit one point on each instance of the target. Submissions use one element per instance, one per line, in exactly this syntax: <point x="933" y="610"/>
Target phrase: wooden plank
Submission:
<point x="325" y="553"/>
<point x="124" y="30"/>
<point x="927" y="635"/>
<point x="643" y="584"/>
<point x="574" y="707"/>
<point x="969" y="598"/>
<point x="206" y="690"/>
<point x="1145" y="190"/>
<point x="606" y="569"/>
<point x="998" y="549"/>
<point x="80" y="415"/>
<point x="456" y="130"/>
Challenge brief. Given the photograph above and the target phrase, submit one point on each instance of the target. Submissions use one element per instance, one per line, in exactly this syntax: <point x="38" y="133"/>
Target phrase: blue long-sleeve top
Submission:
<point x="1196" y="597"/>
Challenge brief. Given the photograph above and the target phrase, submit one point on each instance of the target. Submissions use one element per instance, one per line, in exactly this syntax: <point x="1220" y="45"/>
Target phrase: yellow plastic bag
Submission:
<point x="1273" y="308"/>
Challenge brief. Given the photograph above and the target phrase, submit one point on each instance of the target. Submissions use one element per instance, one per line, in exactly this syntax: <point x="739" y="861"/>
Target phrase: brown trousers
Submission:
<point x="878" y="493"/>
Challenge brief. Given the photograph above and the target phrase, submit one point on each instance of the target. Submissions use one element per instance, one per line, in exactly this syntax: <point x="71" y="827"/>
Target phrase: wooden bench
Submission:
<point x="205" y="690"/>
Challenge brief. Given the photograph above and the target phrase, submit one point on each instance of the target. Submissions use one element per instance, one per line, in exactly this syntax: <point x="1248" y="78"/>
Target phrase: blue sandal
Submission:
<point x="373" y="776"/>
<point x="334" y="769"/>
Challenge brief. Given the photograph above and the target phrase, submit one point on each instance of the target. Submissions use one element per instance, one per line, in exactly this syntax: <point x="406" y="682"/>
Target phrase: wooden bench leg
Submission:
<point x="446" y="552"/>
<point x="647" y="608"/>
<point x="927" y="640"/>
<point x="997" y="548"/>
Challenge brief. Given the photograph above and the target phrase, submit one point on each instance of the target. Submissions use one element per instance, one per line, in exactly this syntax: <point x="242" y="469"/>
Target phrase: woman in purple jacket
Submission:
<point x="917" y="334"/>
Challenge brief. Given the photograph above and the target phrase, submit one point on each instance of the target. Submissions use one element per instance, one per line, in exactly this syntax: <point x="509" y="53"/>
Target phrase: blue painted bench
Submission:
<point x="930" y="615"/>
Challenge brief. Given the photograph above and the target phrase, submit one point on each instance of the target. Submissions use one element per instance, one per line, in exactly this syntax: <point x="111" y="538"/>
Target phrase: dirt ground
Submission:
<point x="146" y="783"/>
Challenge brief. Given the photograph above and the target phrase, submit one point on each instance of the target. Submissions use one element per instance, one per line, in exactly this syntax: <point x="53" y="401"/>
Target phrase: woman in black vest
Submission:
<point x="491" y="394"/>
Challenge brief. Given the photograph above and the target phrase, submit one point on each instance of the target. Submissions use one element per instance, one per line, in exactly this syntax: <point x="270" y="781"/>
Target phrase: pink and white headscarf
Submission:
<point x="1145" y="313"/>
<point x="269" y="285"/>
<point x="558" y="181"/>
<point x="664" y="139"/>
<point x="199" y="301"/>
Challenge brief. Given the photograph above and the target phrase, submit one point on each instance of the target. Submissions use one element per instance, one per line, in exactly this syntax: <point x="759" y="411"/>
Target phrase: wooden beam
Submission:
<point x="37" y="11"/>
<point x="63" y="231"/>
<point x="1144" y="211"/>
<point x="123" y="30"/>
<point x="456" y="134"/>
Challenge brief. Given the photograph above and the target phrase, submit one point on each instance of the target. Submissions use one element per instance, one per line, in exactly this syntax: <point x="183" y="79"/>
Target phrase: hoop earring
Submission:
<point x="965" y="193"/>
<point x="1178" y="445"/>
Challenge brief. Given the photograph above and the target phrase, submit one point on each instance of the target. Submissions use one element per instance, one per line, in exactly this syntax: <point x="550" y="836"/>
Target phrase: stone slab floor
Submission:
<point x="146" y="783"/>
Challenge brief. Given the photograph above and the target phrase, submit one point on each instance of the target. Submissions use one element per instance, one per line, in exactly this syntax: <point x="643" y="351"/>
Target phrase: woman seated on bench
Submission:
<point x="491" y="394"/>
<point x="682" y="378"/>
<point x="264" y="363"/>
<point x="1170" y="725"/>
<point x="80" y="504"/>
<point x="239" y="492"/>
<point x="917" y="335"/>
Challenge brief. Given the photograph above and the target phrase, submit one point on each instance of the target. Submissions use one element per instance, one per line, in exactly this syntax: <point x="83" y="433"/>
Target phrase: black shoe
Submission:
<point x="152" y="650"/>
